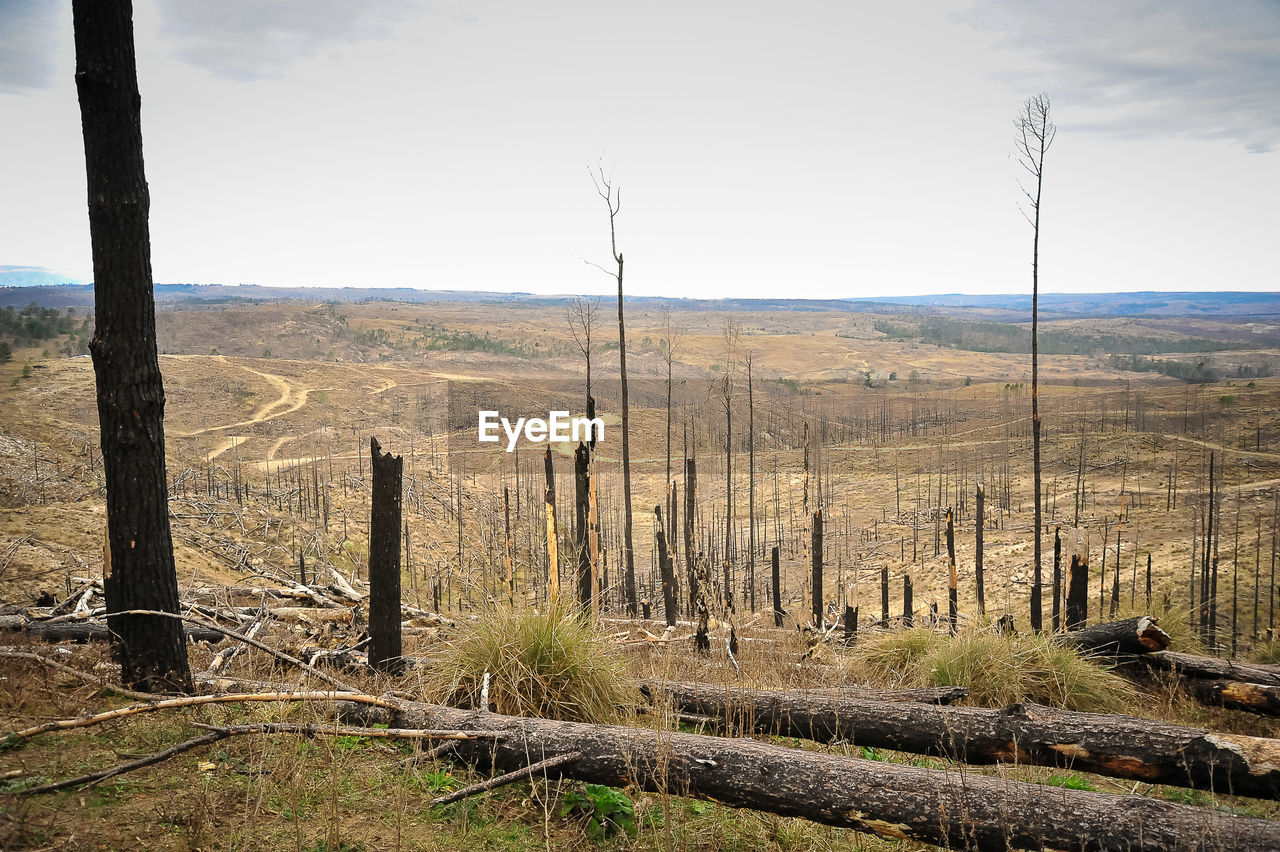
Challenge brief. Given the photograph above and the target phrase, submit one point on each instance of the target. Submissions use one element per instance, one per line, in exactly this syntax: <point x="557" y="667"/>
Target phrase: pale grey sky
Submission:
<point x="807" y="149"/>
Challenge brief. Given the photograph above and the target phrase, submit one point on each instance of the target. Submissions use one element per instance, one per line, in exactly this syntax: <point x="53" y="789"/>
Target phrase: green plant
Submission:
<point x="552" y="664"/>
<point x="438" y="781"/>
<point x="1070" y="782"/>
<point x="607" y="811"/>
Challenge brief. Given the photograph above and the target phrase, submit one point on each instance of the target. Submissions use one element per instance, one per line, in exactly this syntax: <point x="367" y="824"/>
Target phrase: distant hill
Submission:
<point x="1006" y="308"/>
<point x="33" y="276"/>
<point x="1150" y="303"/>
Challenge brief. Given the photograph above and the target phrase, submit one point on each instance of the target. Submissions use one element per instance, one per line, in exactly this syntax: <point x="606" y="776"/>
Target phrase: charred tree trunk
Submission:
<point x="904" y="802"/>
<point x="384" y="560"/>
<point x="553" y="553"/>
<point x="1114" y="745"/>
<point x="977" y="557"/>
<point x="777" y="588"/>
<point x="1212" y="668"/>
<point x="953" y="601"/>
<point x="690" y="555"/>
<point x="819" y="604"/>
<point x="582" y="520"/>
<point x="1078" y="592"/>
<point x="884" y="595"/>
<point x="150" y="649"/>
<point x="628" y="548"/>
<point x="908" y="602"/>
<point x="666" y="568"/>
<point x="1140" y="635"/>
<point x="1237" y="695"/>
<point x="1057" y="580"/>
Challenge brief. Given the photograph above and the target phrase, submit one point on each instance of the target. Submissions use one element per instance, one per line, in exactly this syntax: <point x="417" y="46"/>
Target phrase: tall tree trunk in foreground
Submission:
<point x="141" y="574"/>
<point x="1035" y="135"/>
<point x="384" y="558"/>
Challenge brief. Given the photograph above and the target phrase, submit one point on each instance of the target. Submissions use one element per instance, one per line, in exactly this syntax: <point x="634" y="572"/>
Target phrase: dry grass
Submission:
<point x="551" y="663"/>
<point x="997" y="669"/>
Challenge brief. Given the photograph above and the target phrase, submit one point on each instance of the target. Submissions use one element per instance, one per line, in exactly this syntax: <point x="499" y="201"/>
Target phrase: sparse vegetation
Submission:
<point x="551" y="663"/>
<point x="998" y="669"/>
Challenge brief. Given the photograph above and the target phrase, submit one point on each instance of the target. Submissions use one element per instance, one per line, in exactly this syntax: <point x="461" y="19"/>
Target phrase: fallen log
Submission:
<point x="1195" y="666"/>
<point x="1119" y="746"/>
<point x="954" y="809"/>
<point x="1236" y="695"/>
<point x="1140" y="635"/>
<point x="923" y="695"/>
<point x="84" y="631"/>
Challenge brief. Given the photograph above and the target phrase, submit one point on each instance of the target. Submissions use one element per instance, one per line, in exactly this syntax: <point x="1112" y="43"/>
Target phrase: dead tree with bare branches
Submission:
<point x="1035" y="133"/>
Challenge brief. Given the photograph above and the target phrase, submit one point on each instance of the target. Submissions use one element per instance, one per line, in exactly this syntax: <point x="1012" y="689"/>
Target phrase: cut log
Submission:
<point x="1140" y="635"/>
<point x="1237" y="695"/>
<point x="954" y="809"/>
<point x="1119" y="746"/>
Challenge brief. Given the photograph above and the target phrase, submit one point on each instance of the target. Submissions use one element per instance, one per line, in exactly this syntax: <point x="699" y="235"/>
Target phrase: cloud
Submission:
<point x="254" y="39"/>
<point x="28" y="42"/>
<point x="1146" y="68"/>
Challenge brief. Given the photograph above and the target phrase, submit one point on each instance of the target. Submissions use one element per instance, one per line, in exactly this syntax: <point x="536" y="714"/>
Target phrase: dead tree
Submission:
<point x="1035" y="134"/>
<point x="776" y="580"/>
<point x="1114" y="745"/>
<point x="958" y="810"/>
<point x="581" y="316"/>
<point x="690" y="506"/>
<point x="582" y="521"/>
<point x="1056" y="621"/>
<point x="667" y="570"/>
<point x="751" y="482"/>
<point x="613" y="202"/>
<point x="953" y="602"/>
<point x="553" y="555"/>
<point x="384" y="559"/>
<point x="670" y="343"/>
<point x="731" y="332"/>
<point x="151" y="651"/>
<point x="819" y="604"/>
<point x="979" y="520"/>
<point x="1078" y="592"/>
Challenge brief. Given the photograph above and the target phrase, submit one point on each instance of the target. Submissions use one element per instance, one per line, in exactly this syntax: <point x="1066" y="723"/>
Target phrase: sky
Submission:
<point x="844" y="149"/>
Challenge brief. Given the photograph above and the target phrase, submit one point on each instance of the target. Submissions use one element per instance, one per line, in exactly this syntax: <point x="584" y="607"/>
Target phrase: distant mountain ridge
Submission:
<point x="1007" y="308"/>
<point x="33" y="276"/>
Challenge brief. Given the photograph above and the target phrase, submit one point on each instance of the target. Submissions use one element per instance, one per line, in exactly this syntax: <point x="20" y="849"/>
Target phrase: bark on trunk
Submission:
<point x="150" y="649"/>
<point x="1194" y="666"/>
<point x="1119" y="746"/>
<point x="384" y="560"/>
<point x="819" y="605"/>
<point x="690" y="506"/>
<point x="667" y="571"/>
<point x="582" y="520"/>
<point x="893" y="800"/>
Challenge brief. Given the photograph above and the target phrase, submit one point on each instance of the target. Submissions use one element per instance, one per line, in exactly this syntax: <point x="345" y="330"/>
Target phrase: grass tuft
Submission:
<point x="997" y="669"/>
<point x="552" y="664"/>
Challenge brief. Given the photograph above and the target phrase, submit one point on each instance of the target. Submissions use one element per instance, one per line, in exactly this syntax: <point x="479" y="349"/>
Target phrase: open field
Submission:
<point x="269" y="412"/>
